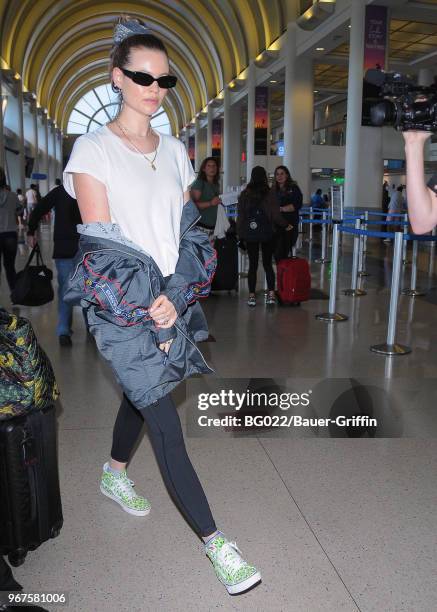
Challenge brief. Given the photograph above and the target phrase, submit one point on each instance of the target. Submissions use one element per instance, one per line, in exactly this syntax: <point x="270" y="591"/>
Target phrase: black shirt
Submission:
<point x="67" y="216"/>
<point x="290" y="196"/>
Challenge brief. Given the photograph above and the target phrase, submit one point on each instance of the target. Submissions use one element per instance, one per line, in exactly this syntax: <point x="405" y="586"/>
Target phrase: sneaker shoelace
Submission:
<point x="126" y="485"/>
<point x="229" y="555"/>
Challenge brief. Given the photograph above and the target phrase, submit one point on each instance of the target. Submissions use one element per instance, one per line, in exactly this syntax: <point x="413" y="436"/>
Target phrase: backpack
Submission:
<point x="257" y="227"/>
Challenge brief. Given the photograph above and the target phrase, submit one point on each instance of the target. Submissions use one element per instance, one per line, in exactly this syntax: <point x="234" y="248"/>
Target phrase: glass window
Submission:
<point x="99" y="106"/>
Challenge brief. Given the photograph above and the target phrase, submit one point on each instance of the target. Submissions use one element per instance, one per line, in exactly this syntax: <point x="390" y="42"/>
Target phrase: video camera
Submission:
<point x="404" y="104"/>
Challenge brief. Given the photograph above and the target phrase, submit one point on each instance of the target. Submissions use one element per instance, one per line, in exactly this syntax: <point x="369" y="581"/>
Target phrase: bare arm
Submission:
<point x="91" y="198"/>
<point x="422" y="202"/>
<point x="196" y="193"/>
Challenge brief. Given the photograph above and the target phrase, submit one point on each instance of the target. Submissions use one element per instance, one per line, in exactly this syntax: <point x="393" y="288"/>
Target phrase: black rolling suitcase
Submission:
<point x="30" y="507"/>
<point x="226" y="274"/>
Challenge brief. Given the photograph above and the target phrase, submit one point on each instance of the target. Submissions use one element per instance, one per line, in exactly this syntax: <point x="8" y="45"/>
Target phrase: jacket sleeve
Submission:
<point x="194" y="270"/>
<point x="42" y="208"/>
<point x="95" y="283"/>
<point x="297" y="198"/>
<point x="274" y="211"/>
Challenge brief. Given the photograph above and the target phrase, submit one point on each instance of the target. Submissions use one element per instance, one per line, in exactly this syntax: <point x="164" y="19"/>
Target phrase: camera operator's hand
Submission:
<point x="422" y="201"/>
<point x="412" y="137"/>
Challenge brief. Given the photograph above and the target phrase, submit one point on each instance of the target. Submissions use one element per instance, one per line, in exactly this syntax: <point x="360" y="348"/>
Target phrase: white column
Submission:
<point x="235" y="145"/>
<point x="61" y="152"/>
<point x="197" y="145"/>
<point x="226" y="158"/>
<point x="250" y="141"/>
<point x="55" y="165"/>
<point x="46" y="150"/>
<point x="22" y="179"/>
<point x="298" y="115"/>
<point x="364" y="166"/>
<point x="35" y="136"/>
<point x="2" y="141"/>
<point x="209" y="132"/>
<point x="352" y="185"/>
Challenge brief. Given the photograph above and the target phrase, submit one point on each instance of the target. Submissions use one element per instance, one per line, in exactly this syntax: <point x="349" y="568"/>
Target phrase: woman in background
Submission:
<point x="287" y="196"/>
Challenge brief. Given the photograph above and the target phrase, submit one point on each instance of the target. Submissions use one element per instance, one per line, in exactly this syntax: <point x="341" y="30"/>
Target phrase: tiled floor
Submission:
<point x="333" y="524"/>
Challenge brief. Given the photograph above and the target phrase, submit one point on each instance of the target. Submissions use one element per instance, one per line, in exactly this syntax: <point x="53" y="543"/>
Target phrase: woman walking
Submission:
<point x="257" y="216"/>
<point x="141" y="266"/>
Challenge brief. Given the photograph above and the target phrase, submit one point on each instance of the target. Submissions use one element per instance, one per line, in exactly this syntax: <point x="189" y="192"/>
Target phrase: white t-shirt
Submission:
<point x="146" y="204"/>
<point x="31" y="196"/>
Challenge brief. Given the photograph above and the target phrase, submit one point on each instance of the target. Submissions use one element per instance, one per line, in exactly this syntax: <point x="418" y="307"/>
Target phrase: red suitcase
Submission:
<point x="294" y="280"/>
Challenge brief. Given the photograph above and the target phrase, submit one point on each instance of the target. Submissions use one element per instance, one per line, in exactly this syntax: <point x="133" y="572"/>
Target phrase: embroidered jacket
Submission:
<point x="116" y="282"/>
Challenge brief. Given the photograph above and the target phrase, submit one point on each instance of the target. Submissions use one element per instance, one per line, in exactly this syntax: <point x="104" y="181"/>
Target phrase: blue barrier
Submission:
<point x="360" y="232"/>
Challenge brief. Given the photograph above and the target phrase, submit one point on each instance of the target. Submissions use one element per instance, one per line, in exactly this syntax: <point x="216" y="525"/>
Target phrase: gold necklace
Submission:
<point x="151" y="162"/>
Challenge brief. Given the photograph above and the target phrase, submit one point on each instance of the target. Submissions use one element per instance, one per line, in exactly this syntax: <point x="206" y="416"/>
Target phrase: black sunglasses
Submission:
<point x="142" y="78"/>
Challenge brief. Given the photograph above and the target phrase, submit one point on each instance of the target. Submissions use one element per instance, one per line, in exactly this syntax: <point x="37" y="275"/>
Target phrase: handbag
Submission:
<point x="27" y="381"/>
<point x="33" y="286"/>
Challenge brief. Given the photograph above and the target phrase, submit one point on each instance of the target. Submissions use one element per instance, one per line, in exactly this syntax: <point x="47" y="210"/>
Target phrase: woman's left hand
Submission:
<point x="163" y="312"/>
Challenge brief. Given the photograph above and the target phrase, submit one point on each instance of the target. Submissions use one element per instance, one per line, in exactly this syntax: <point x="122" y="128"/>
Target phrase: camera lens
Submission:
<point x="383" y="113"/>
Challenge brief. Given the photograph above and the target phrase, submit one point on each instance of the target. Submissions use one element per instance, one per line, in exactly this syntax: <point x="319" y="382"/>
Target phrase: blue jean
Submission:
<point x="65" y="311"/>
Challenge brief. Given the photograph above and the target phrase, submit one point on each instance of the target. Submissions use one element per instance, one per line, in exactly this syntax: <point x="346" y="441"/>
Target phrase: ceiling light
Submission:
<point x="273" y="81"/>
<point x="320" y="48"/>
<point x="316" y="91"/>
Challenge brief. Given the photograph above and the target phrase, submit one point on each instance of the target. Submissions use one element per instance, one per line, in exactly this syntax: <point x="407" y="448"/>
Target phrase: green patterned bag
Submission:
<point x="27" y="381"/>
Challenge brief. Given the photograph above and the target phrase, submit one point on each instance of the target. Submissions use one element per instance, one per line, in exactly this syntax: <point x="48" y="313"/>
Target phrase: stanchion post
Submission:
<point x="323" y="259"/>
<point x="366" y="221"/>
<point x="404" y="246"/>
<point x="362" y="258"/>
<point x="332" y="315"/>
<point x="311" y="224"/>
<point x="391" y="347"/>
<point x="413" y="291"/>
<point x="355" y="291"/>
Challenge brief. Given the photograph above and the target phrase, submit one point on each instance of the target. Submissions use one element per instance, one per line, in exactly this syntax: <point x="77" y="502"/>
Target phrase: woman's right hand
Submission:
<point x="288" y="228"/>
<point x="215" y="201"/>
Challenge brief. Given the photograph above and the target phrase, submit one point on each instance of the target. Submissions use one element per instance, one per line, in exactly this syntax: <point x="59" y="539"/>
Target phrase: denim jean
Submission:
<point x="65" y="311"/>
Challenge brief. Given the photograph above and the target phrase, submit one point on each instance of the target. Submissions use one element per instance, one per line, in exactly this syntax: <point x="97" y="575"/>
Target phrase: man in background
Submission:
<point x="66" y="239"/>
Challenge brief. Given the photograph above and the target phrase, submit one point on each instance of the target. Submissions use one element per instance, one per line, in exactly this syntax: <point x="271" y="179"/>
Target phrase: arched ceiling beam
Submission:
<point x="34" y="28"/>
<point x="178" y="64"/>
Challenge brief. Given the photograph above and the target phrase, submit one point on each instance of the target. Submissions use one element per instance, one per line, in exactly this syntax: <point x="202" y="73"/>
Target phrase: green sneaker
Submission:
<point x="120" y="489"/>
<point x="231" y="569"/>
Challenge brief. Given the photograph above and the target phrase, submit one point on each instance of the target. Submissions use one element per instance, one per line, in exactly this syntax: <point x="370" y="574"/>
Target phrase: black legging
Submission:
<point x="267" y="254"/>
<point x="285" y="242"/>
<point x="8" y="250"/>
<point x="167" y="440"/>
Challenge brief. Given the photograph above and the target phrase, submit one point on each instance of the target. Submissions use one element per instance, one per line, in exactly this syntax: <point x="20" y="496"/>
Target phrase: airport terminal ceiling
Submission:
<point x="60" y="47"/>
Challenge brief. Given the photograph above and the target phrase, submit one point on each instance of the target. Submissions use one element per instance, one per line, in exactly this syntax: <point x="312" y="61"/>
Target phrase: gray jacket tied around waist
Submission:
<point x="116" y="282"/>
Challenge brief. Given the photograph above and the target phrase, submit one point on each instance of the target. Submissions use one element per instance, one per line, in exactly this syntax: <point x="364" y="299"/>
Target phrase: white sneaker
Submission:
<point x="120" y="489"/>
<point x="231" y="569"/>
